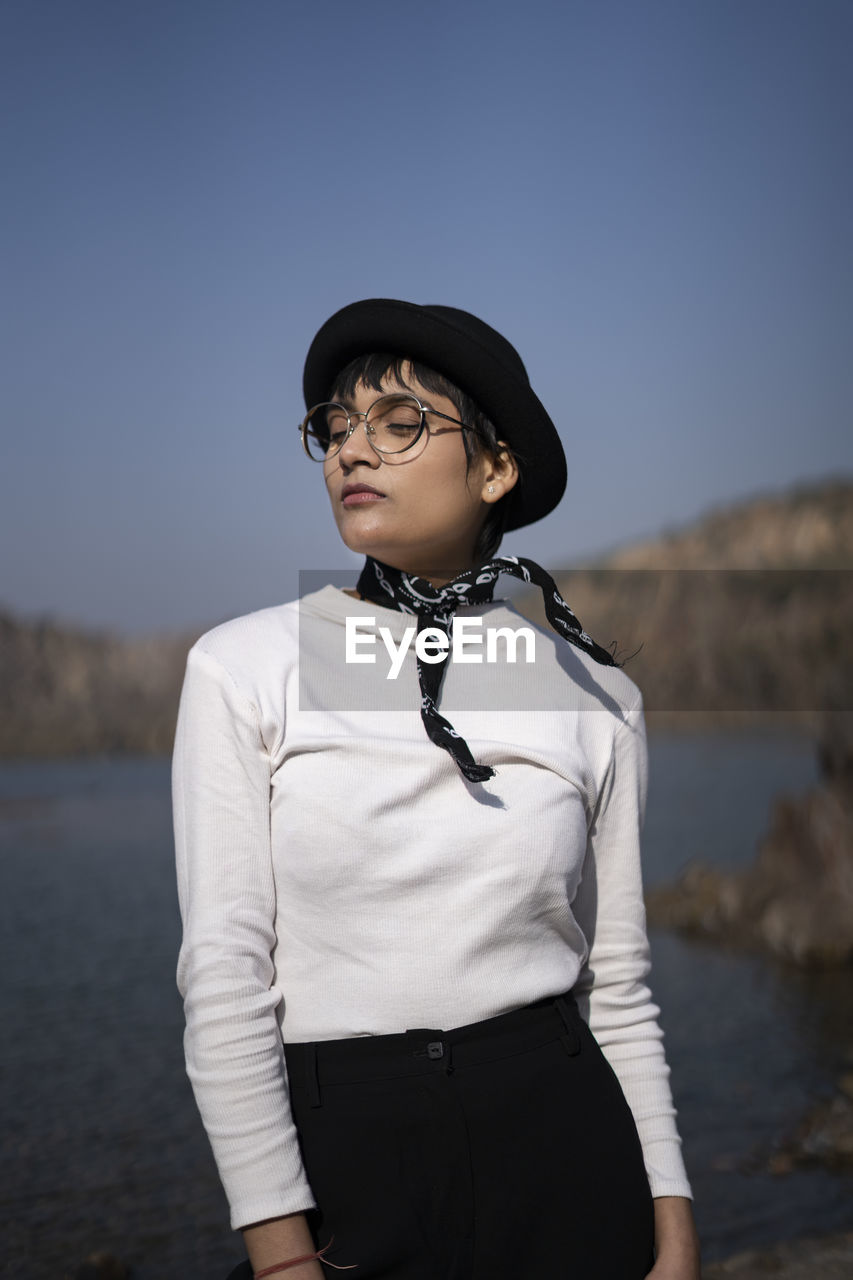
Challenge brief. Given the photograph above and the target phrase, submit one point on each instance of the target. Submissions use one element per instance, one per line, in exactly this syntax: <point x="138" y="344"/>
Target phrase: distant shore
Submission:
<point x="744" y="618"/>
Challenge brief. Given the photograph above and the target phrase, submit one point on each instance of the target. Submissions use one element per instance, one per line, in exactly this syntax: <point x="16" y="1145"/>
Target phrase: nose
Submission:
<point x="356" y="448"/>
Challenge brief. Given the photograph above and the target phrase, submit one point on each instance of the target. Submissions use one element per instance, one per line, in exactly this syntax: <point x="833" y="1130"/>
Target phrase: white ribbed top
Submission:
<point x="338" y="876"/>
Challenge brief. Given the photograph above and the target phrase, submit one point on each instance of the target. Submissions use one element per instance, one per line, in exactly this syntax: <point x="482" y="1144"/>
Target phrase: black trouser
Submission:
<point x="497" y="1151"/>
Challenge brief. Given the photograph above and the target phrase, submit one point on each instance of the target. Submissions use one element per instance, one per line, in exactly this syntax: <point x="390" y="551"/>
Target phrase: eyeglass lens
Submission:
<point x="394" y="423"/>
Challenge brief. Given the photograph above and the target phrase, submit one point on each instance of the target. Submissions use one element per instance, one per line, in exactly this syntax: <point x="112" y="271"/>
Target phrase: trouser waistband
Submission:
<point x="425" y="1050"/>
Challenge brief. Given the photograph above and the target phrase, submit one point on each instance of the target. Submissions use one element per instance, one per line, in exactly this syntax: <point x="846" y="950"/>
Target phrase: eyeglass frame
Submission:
<point x="358" y="413"/>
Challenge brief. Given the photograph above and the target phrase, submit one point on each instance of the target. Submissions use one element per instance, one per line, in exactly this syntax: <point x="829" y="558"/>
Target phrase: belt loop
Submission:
<point x="571" y="1040"/>
<point x="448" y="1050"/>
<point x="312" y="1076"/>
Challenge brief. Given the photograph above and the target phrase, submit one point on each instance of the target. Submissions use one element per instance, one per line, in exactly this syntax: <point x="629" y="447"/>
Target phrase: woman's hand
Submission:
<point x="676" y="1240"/>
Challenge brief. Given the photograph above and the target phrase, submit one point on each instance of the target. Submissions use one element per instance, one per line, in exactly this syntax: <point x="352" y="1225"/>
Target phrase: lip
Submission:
<point x="353" y="495"/>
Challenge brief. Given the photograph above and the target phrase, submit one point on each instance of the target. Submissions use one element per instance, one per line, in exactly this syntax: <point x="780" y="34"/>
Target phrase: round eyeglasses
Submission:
<point x="393" y="424"/>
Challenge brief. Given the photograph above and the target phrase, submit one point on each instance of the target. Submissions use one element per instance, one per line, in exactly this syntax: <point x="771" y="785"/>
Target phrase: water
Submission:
<point x="102" y="1146"/>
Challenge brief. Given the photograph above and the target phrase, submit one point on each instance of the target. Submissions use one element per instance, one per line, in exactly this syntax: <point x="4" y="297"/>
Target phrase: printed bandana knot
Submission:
<point x="435" y="606"/>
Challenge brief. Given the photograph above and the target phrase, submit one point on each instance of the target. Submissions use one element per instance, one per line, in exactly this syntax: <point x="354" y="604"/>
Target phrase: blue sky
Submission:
<point x="652" y="200"/>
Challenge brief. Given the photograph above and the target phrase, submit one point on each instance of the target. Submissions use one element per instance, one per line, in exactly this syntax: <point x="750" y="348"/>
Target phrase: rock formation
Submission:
<point x="746" y="614"/>
<point x="830" y="1259"/>
<point x="70" y="692"/>
<point x="796" y="900"/>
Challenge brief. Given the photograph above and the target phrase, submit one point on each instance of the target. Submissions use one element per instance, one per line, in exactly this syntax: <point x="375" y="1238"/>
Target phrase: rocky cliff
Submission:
<point x="810" y="527"/>
<point x="70" y="692"/>
<point x="796" y="899"/>
<point x="746" y="614"/>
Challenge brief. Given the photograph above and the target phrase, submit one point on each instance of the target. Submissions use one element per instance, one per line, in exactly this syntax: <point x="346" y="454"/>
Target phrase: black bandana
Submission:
<point x="435" y="607"/>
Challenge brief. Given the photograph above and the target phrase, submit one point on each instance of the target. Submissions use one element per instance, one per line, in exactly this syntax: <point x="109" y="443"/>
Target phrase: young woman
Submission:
<point x="414" y="952"/>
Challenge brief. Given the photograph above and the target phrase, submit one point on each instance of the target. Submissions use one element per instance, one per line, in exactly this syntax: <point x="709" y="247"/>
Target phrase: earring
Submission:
<point x="491" y="488"/>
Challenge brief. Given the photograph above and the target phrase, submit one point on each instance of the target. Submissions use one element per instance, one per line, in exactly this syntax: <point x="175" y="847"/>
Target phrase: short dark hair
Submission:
<point x="370" y="371"/>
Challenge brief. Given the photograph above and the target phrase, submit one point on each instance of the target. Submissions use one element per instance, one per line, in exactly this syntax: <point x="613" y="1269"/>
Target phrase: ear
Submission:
<point x="500" y="475"/>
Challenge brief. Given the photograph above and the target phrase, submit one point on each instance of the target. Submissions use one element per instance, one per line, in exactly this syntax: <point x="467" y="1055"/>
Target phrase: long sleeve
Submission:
<point x="234" y="1056"/>
<point x="612" y="990"/>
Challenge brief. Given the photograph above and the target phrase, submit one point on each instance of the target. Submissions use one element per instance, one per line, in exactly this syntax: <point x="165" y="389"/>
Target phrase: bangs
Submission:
<point x="371" y="370"/>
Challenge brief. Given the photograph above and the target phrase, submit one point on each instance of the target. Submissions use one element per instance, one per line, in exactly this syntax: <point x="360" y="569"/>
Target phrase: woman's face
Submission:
<point x="419" y="511"/>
